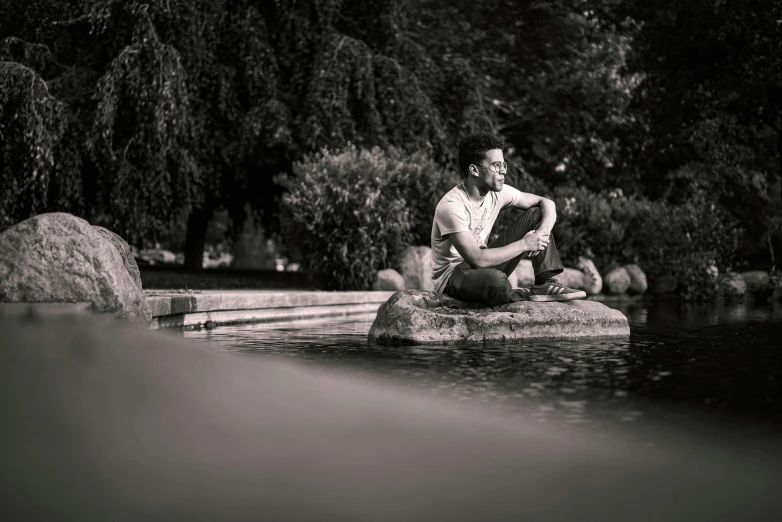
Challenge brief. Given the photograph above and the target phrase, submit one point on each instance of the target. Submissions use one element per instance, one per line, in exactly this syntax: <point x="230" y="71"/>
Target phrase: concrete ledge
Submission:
<point x="211" y="308"/>
<point x="222" y="317"/>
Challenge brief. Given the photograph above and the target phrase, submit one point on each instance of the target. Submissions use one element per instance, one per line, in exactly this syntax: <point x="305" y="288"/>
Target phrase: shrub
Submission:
<point x="685" y="240"/>
<point x="589" y="224"/>
<point x="345" y="216"/>
<point x="422" y="183"/>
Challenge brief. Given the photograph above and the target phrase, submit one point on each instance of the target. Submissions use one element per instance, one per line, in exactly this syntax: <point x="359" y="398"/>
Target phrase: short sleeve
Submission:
<point x="509" y="196"/>
<point x="451" y="217"/>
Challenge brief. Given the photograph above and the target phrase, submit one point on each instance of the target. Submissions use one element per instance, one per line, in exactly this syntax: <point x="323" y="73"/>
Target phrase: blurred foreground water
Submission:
<point x="106" y="420"/>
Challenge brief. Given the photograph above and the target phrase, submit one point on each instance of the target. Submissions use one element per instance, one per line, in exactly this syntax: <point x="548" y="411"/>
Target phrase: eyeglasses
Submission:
<point x="497" y="166"/>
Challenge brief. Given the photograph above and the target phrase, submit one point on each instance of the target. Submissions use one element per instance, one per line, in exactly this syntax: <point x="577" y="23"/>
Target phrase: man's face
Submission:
<point x="487" y="176"/>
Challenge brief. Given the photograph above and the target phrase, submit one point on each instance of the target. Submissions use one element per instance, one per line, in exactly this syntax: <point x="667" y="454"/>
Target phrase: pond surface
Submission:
<point x="717" y="363"/>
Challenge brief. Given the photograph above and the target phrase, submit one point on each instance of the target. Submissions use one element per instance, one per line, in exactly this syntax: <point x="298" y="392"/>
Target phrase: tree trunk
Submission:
<point x="195" y="240"/>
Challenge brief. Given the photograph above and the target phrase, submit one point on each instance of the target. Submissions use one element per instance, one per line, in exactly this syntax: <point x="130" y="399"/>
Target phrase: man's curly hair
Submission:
<point x="472" y="150"/>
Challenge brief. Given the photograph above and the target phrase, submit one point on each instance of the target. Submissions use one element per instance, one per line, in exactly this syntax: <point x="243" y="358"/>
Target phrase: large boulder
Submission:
<point x="124" y="250"/>
<point x="416" y="268"/>
<point x="523" y="276"/>
<point x="58" y="257"/>
<point x="572" y="278"/>
<point x="638" y="283"/>
<point x="593" y="283"/>
<point x="389" y="279"/>
<point x="617" y="281"/>
<point x="415" y="317"/>
<point x="757" y="280"/>
<point x="732" y="285"/>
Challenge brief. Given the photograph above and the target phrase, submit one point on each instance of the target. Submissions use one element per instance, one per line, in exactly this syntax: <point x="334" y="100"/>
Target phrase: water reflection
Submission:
<point x="719" y="359"/>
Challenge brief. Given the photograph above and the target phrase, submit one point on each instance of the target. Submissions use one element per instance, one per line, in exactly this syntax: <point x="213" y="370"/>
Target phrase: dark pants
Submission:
<point x="490" y="285"/>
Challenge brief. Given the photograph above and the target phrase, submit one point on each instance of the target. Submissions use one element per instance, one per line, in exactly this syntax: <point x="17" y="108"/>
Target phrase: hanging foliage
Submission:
<point x="141" y="132"/>
<point x="30" y="128"/>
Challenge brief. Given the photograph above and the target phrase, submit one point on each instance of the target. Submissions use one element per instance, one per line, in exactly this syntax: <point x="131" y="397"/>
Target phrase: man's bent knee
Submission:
<point x="534" y="215"/>
<point x="497" y="289"/>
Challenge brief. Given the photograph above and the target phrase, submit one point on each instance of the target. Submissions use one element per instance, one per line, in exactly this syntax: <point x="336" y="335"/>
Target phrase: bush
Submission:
<point x="685" y="240"/>
<point x="348" y="214"/>
<point x="422" y="183"/>
<point x="593" y="225"/>
<point x="345" y="214"/>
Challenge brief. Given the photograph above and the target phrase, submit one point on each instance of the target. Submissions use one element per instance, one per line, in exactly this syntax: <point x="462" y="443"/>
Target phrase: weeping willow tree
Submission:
<point x="117" y="150"/>
<point x="149" y="116"/>
<point x="30" y="127"/>
<point x="142" y="130"/>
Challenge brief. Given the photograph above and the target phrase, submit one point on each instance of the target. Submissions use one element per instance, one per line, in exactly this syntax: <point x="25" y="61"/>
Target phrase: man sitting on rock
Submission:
<point x="463" y="265"/>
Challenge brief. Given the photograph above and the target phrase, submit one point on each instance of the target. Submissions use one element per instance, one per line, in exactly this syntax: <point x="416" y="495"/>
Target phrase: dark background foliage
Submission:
<point x="150" y="117"/>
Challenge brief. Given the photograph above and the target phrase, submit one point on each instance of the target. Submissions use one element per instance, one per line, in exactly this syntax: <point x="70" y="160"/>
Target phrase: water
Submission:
<point x="717" y="363"/>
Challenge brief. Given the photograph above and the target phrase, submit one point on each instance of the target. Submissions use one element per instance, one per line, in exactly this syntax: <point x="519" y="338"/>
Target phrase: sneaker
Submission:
<point x="551" y="290"/>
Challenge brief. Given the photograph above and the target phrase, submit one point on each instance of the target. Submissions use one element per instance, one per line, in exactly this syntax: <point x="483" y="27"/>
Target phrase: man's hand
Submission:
<point x="533" y="242"/>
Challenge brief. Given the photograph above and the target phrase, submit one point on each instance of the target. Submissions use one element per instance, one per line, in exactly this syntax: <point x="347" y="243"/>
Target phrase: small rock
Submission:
<point x="617" y="281"/>
<point x="638" y="283"/>
<point x="416" y="268"/>
<point x="664" y="285"/>
<point x="593" y="283"/>
<point x="572" y="278"/>
<point x="389" y="279"/>
<point x="757" y="280"/>
<point x="733" y="285"/>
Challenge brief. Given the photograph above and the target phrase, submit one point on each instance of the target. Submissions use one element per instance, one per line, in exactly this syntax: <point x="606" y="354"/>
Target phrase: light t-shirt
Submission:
<point x="456" y="213"/>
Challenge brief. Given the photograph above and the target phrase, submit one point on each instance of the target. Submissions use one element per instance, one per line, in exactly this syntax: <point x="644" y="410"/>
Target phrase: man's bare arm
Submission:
<point x="477" y="257"/>
<point x="548" y="210"/>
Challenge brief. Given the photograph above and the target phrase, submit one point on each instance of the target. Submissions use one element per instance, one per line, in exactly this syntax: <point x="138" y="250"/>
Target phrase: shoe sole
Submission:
<point x="559" y="297"/>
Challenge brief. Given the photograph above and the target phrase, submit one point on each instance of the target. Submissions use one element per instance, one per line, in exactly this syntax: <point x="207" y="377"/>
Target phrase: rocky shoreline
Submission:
<point x="629" y="279"/>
